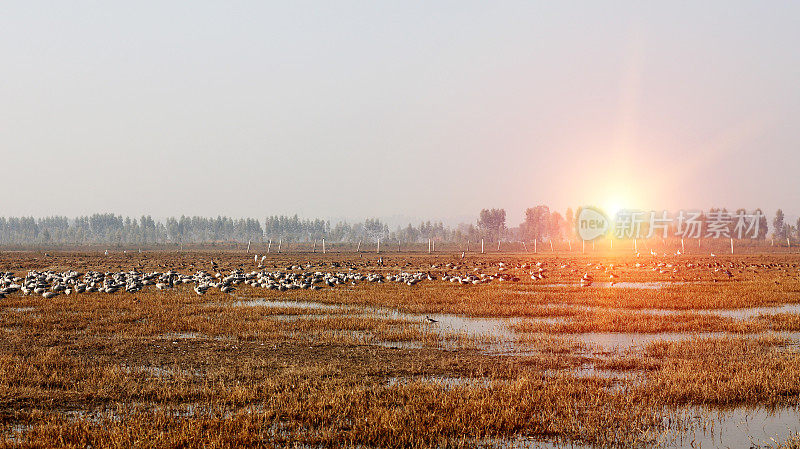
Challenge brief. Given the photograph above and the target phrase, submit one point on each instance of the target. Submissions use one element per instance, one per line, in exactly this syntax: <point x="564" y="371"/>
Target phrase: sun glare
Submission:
<point x="613" y="205"/>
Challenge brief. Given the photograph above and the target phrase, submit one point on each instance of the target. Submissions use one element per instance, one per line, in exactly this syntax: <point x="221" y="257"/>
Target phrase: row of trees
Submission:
<point x="540" y="224"/>
<point x="782" y="230"/>
<point x="115" y="229"/>
<point x="543" y="224"/>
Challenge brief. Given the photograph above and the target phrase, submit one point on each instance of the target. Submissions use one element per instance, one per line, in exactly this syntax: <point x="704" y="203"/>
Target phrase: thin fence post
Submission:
<point x="358" y="248"/>
<point x="323" y="246"/>
<point x="248" y="246"/>
<point x="379" y="247"/>
<point x="481" y="246"/>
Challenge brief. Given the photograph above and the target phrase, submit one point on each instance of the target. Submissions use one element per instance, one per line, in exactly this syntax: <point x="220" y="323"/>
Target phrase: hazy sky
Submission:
<point x="376" y="108"/>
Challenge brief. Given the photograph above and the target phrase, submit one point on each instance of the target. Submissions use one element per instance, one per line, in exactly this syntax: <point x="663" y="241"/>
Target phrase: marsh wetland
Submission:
<point x="409" y="350"/>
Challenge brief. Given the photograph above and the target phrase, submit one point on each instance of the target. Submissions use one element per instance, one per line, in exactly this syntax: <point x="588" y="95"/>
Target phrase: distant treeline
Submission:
<point x="116" y="229"/>
<point x="540" y="224"/>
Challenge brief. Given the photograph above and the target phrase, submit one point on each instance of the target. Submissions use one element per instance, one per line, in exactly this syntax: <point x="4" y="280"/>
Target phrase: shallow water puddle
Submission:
<point x="654" y="285"/>
<point x="742" y="314"/>
<point x="624" y="341"/>
<point x="500" y="339"/>
<point x="446" y="323"/>
<point x="19" y="309"/>
<point x="739" y="427"/>
<point x="399" y="344"/>
<point x="311" y="316"/>
<point x="440" y="323"/>
<point x="287" y="304"/>
<point x="443" y="381"/>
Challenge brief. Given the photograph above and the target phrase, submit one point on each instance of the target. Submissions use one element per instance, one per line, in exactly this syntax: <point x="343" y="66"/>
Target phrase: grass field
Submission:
<point x="656" y="352"/>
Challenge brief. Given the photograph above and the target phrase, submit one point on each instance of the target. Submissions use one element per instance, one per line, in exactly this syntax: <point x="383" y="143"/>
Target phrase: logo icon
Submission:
<point x="591" y="223"/>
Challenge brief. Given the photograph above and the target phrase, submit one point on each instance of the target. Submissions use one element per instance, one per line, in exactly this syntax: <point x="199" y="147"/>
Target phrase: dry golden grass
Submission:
<point x="725" y="371"/>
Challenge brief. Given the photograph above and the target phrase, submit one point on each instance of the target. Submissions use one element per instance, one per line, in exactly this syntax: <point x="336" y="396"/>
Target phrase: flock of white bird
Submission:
<point x="49" y="284"/>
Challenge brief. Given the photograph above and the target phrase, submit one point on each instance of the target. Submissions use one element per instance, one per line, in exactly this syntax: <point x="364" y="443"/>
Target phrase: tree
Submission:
<point x="762" y="224"/>
<point x="375" y="229"/>
<point x="555" y="231"/>
<point x="492" y="222"/>
<point x="797" y="228"/>
<point x="537" y="222"/>
<point x="778" y="226"/>
<point x="790" y="230"/>
<point x="569" y="223"/>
